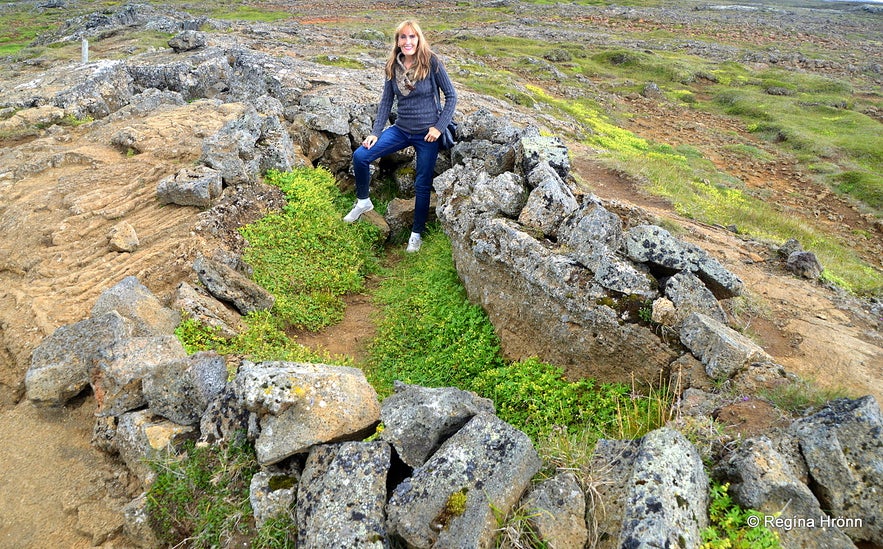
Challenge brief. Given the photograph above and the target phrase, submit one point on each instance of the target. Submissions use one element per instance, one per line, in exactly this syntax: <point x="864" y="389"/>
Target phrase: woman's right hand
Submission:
<point x="369" y="141"/>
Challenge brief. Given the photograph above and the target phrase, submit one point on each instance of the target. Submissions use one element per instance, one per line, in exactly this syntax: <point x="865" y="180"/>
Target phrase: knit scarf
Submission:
<point x="404" y="77"/>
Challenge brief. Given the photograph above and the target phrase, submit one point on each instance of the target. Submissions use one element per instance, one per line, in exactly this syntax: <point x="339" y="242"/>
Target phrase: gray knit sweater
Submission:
<point x="417" y="111"/>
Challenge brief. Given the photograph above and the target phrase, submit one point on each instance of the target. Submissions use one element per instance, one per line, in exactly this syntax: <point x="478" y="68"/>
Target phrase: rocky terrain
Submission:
<point x="70" y="191"/>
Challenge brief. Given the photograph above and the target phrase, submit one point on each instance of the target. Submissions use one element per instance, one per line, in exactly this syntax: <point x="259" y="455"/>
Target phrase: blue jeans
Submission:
<point x="391" y="140"/>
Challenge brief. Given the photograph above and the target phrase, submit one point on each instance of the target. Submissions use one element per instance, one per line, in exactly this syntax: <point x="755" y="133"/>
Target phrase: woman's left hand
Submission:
<point x="432" y="135"/>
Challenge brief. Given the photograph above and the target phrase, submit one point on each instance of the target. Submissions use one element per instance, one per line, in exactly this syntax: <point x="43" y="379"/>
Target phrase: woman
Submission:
<point x="413" y="77"/>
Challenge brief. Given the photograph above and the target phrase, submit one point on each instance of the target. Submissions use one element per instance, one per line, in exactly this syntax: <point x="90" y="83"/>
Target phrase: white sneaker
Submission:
<point x="414" y="243"/>
<point x="357" y="212"/>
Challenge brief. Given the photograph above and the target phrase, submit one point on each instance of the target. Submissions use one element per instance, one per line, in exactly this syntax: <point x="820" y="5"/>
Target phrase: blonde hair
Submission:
<point x="423" y="56"/>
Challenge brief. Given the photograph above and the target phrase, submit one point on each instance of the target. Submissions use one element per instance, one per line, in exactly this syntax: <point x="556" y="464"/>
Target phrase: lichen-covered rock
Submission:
<point x="843" y="448"/>
<point x="447" y="502"/>
<point x="762" y="479"/>
<point x="302" y="405"/>
<point x="549" y="203"/>
<point x="196" y="304"/>
<point x="142" y="436"/>
<point x="689" y="295"/>
<point x="119" y="370"/>
<point x="272" y="494"/>
<point x="341" y="496"/>
<point x="181" y="390"/>
<point x="722" y="350"/>
<point x="666" y="254"/>
<point x="417" y="420"/>
<point x="557" y="511"/>
<point x="667" y="494"/>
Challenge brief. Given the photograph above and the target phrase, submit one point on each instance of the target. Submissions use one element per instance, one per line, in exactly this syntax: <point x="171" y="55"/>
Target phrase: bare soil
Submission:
<point x="56" y="490"/>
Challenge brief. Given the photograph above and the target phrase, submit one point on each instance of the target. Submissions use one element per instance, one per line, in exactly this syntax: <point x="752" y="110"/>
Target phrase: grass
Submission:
<point x="304" y="255"/>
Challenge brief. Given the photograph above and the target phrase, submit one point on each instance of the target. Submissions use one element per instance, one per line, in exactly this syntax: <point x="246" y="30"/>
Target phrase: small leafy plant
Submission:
<point x="729" y="524"/>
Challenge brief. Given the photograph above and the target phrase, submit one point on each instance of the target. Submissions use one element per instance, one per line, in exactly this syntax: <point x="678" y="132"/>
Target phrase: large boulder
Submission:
<point x="135" y="302"/>
<point x="449" y="502"/>
<point x="60" y="366"/>
<point x="843" y="448"/>
<point x="762" y="478"/>
<point x="417" y="420"/>
<point x="341" y="496"/>
<point x="302" y="405"/>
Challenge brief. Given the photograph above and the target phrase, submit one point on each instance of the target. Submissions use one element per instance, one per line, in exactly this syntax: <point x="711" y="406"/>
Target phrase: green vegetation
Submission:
<point x="431" y="335"/>
<point x="304" y="255"/>
<point x="729" y="525"/>
<point x="802" y="397"/>
<point x="201" y="495"/>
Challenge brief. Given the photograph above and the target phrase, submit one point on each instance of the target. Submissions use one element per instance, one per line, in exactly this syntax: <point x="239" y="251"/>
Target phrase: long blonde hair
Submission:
<point x="423" y="55"/>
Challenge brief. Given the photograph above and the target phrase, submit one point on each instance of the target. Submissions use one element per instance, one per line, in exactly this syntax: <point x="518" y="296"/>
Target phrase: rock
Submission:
<point x="446" y="503"/>
<point x="534" y="150"/>
<point x="668" y="494"/>
<point x="199" y="186"/>
<point x="118" y="371"/>
<point x="123" y="238"/>
<point x="181" y="390"/>
<point x="557" y="510"/>
<point x="591" y="233"/>
<point x="206" y="310"/>
<point x="187" y="41"/>
<point x="613" y="461"/>
<point x="399" y="216"/>
<point x="229" y="285"/>
<point x="667" y="255"/>
<point x="722" y="350"/>
<point x="329" y="516"/>
<point x="417" y="420"/>
<point x="108" y="88"/>
<point x="762" y="479"/>
<point x="226" y="419"/>
<point x="302" y="405"/>
<point x="272" y="494"/>
<point x="492" y="158"/>
<point x="689" y="295"/>
<point x="843" y="447"/>
<point x="542" y="303"/>
<point x="60" y="365"/>
<point x="504" y="194"/>
<point x="789" y="247"/>
<point x="804" y="264"/>
<point x="136" y="524"/>
<point x="135" y="302"/>
<point x="549" y="203"/>
<point x="142" y="437"/>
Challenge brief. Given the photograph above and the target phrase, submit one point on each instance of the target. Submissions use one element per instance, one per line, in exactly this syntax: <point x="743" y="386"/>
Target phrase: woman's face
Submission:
<point x="408" y="41"/>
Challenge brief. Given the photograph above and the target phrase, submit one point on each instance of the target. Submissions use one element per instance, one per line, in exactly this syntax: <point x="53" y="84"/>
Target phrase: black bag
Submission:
<point x="448" y="137"/>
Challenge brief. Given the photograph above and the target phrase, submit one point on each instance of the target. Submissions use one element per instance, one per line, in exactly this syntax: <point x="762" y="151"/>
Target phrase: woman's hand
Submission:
<point x="432" y="135"/>
<point x="369" y="141"/>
